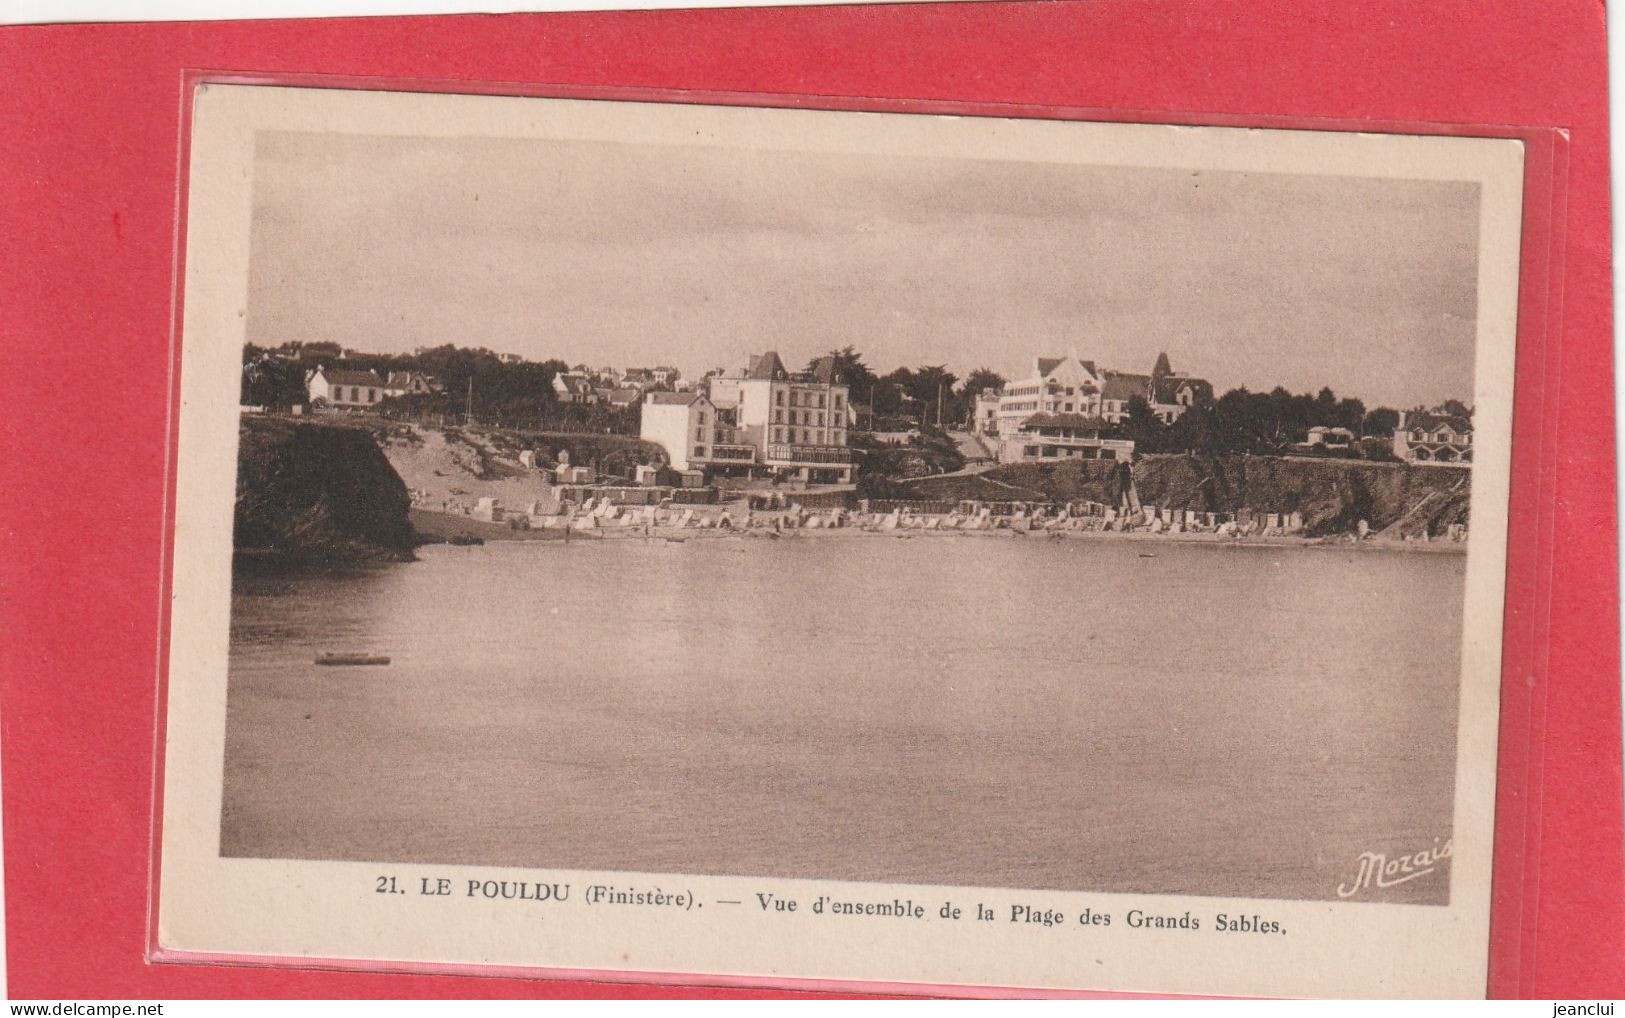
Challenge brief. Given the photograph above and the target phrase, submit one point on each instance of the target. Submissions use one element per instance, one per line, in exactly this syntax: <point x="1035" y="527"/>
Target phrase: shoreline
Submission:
<point x="437" y="528"/>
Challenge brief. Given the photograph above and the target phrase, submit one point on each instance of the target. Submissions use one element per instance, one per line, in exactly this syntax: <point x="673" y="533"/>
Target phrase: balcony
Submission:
<point x="733" y="454"/>
<point x="809" y="454"/>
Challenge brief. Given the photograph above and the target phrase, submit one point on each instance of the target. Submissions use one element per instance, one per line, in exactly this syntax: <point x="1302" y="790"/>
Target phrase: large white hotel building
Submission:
<point x="763" y="419"/>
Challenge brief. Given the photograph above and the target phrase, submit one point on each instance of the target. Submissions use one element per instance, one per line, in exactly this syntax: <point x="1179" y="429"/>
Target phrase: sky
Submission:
<point x="631" y="255"/>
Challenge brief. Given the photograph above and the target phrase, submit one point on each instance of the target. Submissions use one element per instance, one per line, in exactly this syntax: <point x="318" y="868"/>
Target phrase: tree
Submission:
<point x="930" y="388"/>
<point x="1195" y="430"/>
<point x="964" y="400"/>
<point x="1143" y="426"/>
<point x="859" y="379"/>
<point x="271" y="381"/>
<point x="1380" y="423"/>
<point x="1349" y="413"/>
<point x="1455" y="408"/>
<point x="892" y="392"/>
<point x="982" y="378"/>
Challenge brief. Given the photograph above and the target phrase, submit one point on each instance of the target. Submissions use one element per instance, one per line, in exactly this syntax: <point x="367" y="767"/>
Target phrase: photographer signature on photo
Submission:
<point x="1377" y="870"/>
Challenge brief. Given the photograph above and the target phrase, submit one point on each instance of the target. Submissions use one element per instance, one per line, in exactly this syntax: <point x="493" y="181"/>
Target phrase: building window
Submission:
<point x="820" y="401"/>
<point x="699" y="432"/>
<point x="778" y="397"/>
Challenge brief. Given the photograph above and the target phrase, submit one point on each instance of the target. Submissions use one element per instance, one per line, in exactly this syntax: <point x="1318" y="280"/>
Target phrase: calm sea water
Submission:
<point x="972" y="711"/>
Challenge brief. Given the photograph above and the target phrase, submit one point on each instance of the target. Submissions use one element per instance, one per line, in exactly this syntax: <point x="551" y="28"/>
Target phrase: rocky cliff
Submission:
<point x="1395" y="500"/>
<point x="318" y="493"/>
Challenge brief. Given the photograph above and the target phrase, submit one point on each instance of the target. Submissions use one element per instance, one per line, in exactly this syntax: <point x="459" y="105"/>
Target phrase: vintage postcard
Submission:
<point x="662" y="539"/>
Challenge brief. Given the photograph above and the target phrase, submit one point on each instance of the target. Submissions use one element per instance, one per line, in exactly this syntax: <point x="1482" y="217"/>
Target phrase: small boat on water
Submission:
<point x="464" y="540"/>
<point x="351" y="659"/>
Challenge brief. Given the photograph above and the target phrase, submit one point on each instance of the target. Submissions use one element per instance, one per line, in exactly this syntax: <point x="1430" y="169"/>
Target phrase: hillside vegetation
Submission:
<point x="313" y="493"/>
<point x="1333" y="495"/>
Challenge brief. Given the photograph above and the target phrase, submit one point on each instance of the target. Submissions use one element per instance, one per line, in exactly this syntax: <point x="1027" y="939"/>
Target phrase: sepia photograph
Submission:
<point x="1045" y="515"/>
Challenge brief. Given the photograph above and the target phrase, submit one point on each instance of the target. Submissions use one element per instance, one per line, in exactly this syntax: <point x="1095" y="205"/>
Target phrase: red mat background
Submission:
<point x="89" y="142"/>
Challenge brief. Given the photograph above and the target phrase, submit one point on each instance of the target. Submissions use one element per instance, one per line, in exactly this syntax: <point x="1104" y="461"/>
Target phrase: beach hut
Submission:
<point x="488" y="508"/>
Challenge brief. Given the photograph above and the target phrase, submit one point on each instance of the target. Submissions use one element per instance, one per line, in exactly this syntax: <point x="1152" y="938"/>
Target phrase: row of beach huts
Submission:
<point x="608" y="511"/>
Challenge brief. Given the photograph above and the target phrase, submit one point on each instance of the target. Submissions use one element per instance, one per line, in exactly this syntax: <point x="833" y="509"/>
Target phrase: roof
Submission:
<point x="674" y="398"/>
<point x="1325" y="430"/>
<point x="766" y="365"/>
<point x="623" y="396"/>
<point x="1432" y="421"/>
<point x="1046" y="365"/>
<point x="1075" y="421"/>
<point x="404" y="378"/>
<point x="337" y="376"/>
<point x="824" y="370"/>
<point x="1166" y="387"/>
<point x="1121" y="386"/>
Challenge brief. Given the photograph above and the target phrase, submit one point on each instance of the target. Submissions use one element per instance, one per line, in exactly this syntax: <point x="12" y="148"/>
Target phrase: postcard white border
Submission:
<point x="329" y="910"/>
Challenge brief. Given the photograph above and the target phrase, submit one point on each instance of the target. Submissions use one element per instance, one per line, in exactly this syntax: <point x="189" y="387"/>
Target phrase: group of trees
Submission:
<point x="921" y="395"/>
<point x="1253" y="422"/>
<point x="503" y="392"/>
<point x="520" y="394"/>
<point x="1263" y="423"/>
